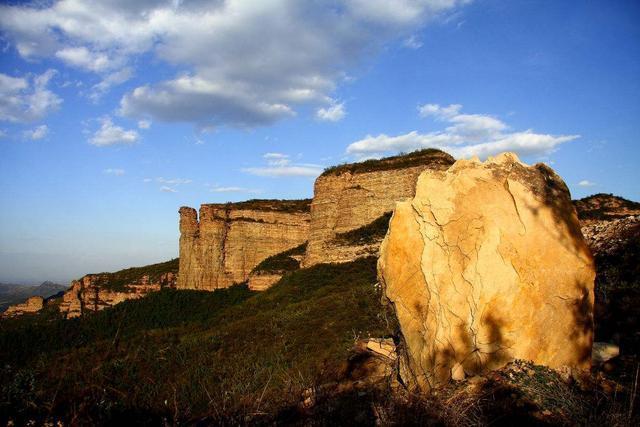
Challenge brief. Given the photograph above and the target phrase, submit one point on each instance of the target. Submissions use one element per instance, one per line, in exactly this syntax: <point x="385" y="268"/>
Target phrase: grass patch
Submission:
<point x="282" y="262"/>
<point x="367" y="234"/>
<point x="404" y="160"/>
<point x="275" y="205"/>
<point x="232" y="356"/>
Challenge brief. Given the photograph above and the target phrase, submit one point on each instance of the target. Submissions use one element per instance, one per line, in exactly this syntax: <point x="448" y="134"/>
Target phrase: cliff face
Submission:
<point x="95" y="292"/>
<point x="229" y="240"/>
<point x="352" y="197"/>
<point x="31" y="305"/>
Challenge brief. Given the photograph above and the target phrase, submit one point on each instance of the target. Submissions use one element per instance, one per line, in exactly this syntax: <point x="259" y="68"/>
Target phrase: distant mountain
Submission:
<point x="13" y="294"/>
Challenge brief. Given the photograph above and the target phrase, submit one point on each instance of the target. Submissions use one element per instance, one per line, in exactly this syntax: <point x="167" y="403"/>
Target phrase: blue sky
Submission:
<point x="113" y="114"/>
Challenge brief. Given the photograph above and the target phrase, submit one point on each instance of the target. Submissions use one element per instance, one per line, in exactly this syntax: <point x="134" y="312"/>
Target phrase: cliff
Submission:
<point x="31" y="305"/>
<point x="95" y="292"/>
<point x="225" y="242"/>
<point x="354" y="196"/>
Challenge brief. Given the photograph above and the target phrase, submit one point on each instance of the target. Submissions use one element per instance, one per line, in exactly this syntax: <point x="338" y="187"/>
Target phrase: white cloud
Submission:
<point x="586" y="183"/>
<point x="27" y="99"/>
<point x="240" y="63"/>
<point x="468" y="135"/>
<point x="333" y="113"/>
<point x="81" y="57"/>
<point x="3" y="133"/>
<point x="144" y="124"/>
<point x="115" y="172"/>
<point x="36" y="133"/>
<point x="233" y="190"/>
<point x="109" y="81"/>
<point x="279" y="165"/>
<point x="173" y="181"/>
<point x="110" y="134"/>
<point x="166" y="189"/>
<point x="147" y="180"/>
<point x="412" y="42"/>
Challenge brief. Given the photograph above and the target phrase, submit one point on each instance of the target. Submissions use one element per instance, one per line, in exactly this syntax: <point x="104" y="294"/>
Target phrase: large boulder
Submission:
<point x="487" y="264"/>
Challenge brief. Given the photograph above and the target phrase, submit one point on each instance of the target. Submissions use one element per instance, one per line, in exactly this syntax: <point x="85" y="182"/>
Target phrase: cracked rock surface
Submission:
<point x="487" y="264"/>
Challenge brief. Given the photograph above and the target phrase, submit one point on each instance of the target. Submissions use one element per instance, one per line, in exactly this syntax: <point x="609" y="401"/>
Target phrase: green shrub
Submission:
<point x="367" y="234"/>
<point x="283" y="261"/>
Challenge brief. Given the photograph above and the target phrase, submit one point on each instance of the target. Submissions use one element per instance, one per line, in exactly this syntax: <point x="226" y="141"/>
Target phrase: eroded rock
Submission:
<point x="31" y="305"/>
<point x="352" y="197"/>
<point x="486" y="265"/>
<point x="227" y="241"/>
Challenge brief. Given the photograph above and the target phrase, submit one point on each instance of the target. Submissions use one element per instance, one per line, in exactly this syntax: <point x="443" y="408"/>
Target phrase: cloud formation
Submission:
<point x="27" y="99"/>
<point x="36" y="133"/>
<point x="333" y="113"/>
<point x="279" y="165"/>
<point x="467" y="135"/>
<point x="240" y="63"/>
<point x="173" y="181"/>
<point x="115" y="172"/>
<point x="110" y="134"/>
<point x="216" y="189"/>
<point x="586" y="183"/>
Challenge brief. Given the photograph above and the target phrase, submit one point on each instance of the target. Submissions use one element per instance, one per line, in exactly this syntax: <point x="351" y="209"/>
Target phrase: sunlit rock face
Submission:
<point x="31" y="305"/>
<point x="485" y="265"/>
<point x="94" y="292"/>
<point x="223" y="245"/>
<point x="355" y="196"/>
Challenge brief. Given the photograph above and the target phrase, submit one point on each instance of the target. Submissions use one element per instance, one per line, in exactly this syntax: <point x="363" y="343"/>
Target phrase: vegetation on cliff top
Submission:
<point x="603" y="206"/>
<point x="275" y="205"/>
<point x="119" y="280"/>
<point x="178" y="356"/>
<point x="282" y="262"/>
<point x="367" y="234"/>
<point x="405" y="160"/>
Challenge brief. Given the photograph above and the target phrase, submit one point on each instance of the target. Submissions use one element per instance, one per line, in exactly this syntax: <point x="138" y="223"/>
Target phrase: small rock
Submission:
<point x="603" y="351"/>
<point x="383" y="347"/>
<point x="457" y="372"/>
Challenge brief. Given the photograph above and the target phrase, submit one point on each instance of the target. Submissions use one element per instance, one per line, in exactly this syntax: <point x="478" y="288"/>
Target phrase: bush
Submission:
<point x="367" y="234"/>
<point x="282" y="262"/>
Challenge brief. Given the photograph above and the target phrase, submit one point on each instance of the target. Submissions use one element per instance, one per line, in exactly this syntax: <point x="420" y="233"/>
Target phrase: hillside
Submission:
<point x="183" y="355"/>
<point x="605" y="207"/>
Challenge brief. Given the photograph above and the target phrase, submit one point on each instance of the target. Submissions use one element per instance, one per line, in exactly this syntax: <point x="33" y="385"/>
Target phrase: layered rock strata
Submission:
<point x="222" y="245"/>
<point x="352" y="196"/>
<point x="95" y="292"/>
<point x="31" y="305"/>
<point x="486" y="265"/>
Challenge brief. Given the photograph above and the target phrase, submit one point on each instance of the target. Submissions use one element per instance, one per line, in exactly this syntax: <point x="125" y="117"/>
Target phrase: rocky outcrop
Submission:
<point x="95" y="292"/>
<point x="31" y="305"/>
<point x="228" y="241"/>
<point x="601" y="207"/>
<point x="486" y="265"/>
<point x="353" y="196"/>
